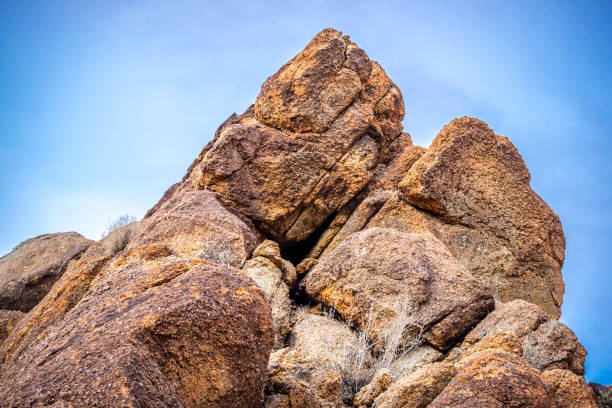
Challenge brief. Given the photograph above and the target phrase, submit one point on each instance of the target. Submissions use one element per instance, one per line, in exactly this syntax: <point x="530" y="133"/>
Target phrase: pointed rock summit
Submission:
<point x="311" y="257"/>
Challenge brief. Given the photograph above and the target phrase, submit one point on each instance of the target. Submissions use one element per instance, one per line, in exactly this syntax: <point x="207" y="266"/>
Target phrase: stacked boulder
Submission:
<point x="312" y="256"/>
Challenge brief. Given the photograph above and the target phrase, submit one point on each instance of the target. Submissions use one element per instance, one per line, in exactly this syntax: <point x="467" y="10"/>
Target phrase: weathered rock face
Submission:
<point x="266" y="270"/>
<point x="310" y="144"/>
<point x="569" y="390"/>
<point x="377" y="273"/>
<point x="418" y="389"/>
<point x="8" y="321"/>
<point x="152" y="330"/>
<point x="196" y="224"/>
<point x="546" y="344"/>
<point x="477" y="184"/>
<point x="29" y="271"/>
<point x="495" y="378"/>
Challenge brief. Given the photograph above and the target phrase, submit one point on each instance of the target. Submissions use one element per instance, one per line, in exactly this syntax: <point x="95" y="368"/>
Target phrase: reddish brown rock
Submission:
<point x="30" y="270"/>
<point x="197" y="224"/>
<point x="152" y="330"/>
<point x="546" y="343"/>
<point x="494" y="379"/>
<point x="554" y="345"/>
<point x="569" y="390"/>
<point x="8" y="321"/>
<point x="476" y="185"/>
<point x="311" y="143"/>
<point x="377" y="274"/>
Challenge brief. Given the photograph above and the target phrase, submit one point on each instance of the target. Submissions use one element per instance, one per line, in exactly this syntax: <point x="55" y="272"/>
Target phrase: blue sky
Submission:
<point x="103" y="106"/>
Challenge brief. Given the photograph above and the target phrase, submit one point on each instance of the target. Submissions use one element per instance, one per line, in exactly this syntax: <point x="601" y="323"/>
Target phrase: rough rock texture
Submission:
<point x="554" y="345"/>
<point x="197" y="224"/>
<point x="326" y="341"/>
<point x="8" y="321"/>
<point x="417" y="357"/>
<point x="379" y="384"/>
<point x="376" y="274"/>
<point x="301" y="382"/>
<point x="265" y="270"/>
<point x="418" y="389"/>
<point x="494" y="379"/>
<point x="505" y="341"/>
<point x="569" y="390"/>
<point x="28" y="272"/>
<point x="477" y="184"/>
<point x="148" y="333"/>
<point x="546" y="344"/>
<point x="310" y="144"/>
<point x="604" y="394"/>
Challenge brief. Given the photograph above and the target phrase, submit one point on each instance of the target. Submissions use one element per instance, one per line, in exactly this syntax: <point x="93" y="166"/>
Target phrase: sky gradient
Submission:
<point x="103" y="106"/>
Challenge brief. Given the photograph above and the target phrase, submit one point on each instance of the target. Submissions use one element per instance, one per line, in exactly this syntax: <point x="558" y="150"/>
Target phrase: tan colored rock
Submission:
<point x="477" y="185"/>
<point x="29" y="271"/>
<point x="326" y="341"/>
<point x="269" y="277"/>
<point x="377" y="273"/>
<point x="379" y="384"/>
<point x="505" y="341"/>
<point x="518" y="317"/>
<point x="569" y="390"/>
<point x="308" y="147"/>
<point x="418" y="389"/>
<point x="496" y="379"/>
<point x="554" y="345"/>
<point x="417" y="357"/>
<point x="8" y="321"/>
<point x="305" y="382"/>
<point x="146" y="333"/>
<point x="197" y="224"/>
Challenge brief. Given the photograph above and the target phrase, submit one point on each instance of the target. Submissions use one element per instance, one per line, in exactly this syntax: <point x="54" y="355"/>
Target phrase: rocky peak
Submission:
<point x="312" y="256"/>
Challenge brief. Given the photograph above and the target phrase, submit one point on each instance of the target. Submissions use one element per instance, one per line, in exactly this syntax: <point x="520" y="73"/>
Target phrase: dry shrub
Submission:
<point x="360" y="362"/>
<point x="119" y="232"/>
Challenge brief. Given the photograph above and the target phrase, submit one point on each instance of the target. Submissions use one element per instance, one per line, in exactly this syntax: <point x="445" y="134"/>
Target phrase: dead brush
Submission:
<point x="119" y="232"/>
<point x="360" y="362"/>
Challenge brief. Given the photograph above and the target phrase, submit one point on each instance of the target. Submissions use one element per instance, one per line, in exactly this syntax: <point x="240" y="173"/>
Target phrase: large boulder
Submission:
<point x="30" y="270"/>
<point x="546" y="343"/>
<point x="569" y="389"/>
<point x="418" y="389"/>
<point x="152" y="330"/>
<point x="310" y="144"/>
<point x="476" y="186"/>
<point x="378" y="276"/>
<point x="181" y="326"/>
<point x="198" y="224"/>
<point x="495" y="379"/>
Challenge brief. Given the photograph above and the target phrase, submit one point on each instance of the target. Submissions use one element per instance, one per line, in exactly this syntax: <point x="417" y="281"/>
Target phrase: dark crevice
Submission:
<point x="296" y="252"/>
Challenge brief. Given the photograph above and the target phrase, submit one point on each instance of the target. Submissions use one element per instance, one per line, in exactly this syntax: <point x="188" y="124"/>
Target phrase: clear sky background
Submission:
<point x="104" y="104"/>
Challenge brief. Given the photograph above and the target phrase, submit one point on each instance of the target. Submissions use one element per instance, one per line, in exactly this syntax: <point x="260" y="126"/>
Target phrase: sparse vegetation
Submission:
<point x="360" y="362"/>
<point x="119" y="232"/>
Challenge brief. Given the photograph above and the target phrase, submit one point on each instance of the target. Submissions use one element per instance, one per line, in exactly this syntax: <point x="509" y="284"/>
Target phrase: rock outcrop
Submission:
<point x="29" y="271"/>
<point x="311" y="257"/>
<point x="380" y="275"/>
<point x="312" y="141"/>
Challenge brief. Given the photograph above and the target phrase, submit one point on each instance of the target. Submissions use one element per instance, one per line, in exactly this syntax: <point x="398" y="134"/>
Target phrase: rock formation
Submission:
<point x="312" y="256"/>
<point x="29" y="271"/>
